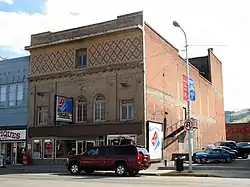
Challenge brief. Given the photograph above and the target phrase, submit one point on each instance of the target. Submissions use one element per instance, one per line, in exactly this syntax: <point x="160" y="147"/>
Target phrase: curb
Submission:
<point x="188" y="175"/>
<point x="208" y="168"/>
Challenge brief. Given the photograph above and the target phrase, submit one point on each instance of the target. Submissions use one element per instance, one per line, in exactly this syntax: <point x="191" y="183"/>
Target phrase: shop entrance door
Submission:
<point x="80" y="147"/>
<point x="11" y="153"/>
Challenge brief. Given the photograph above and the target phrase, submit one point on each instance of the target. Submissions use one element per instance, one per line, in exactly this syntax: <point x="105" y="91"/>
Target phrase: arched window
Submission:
<point x="99" y="108"/>
<point x="81" y="110"/>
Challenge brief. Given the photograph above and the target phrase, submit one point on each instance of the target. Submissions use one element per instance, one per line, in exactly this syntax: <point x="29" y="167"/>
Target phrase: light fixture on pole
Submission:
<point x="190" y="132"/>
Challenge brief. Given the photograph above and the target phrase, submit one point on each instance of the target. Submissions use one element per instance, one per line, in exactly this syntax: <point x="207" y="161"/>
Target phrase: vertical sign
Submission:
<point x="64" y="109"/>
<point x="192" y="94"/>
<point x="155" y="138"/>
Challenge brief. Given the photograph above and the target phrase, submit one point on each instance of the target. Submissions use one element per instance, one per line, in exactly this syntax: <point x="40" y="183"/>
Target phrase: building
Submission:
<point x="239" y="132"/>
<point x="118" y="79"/>
<point x="13" y="108"/>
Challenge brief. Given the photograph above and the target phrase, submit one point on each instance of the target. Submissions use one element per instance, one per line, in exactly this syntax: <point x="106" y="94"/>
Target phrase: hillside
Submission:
<point x="241" y="116"/>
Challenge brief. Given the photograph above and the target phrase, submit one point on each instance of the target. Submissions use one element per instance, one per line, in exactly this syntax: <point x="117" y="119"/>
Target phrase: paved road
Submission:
<point x="50" y="180"/>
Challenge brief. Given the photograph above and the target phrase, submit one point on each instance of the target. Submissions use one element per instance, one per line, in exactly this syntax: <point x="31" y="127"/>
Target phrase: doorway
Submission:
<point x="82" y="146"/>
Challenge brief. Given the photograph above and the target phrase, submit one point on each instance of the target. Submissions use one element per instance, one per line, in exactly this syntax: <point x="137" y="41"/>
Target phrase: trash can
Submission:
<point x="2" y="161"/>
<point x="179" y="164"/>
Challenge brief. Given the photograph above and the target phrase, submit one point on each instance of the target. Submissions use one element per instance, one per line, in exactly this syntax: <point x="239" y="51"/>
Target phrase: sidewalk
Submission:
<point x="60" y="169"/>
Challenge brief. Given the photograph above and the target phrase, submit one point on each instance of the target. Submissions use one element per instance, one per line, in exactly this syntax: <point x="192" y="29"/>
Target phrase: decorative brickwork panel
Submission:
<point x="116" y="51"/>
<point x="54" y="61"/>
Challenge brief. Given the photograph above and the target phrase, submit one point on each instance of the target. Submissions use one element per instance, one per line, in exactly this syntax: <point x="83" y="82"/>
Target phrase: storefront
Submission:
<point x="12" y="145"/>
<point x="56" y="150"/>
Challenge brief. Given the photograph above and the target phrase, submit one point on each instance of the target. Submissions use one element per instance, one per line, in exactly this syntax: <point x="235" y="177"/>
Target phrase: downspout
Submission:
<point x="144" y="81"/>
<point x="34" y="108"/>
<point x="116" y="96"/>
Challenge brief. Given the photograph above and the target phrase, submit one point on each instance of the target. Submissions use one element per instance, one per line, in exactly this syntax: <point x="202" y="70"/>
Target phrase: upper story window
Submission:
<point x="126" y="111"/>
<point x="42" y="115"/>
<point x="15" y="94"/>
<point x="99" y="108"/>
<point x="81" y="58"/>
<point x="20" y="94"/>
<point x="81" y="110"/>
<point x="12" y="95"/>
<point x="3" y="93"/>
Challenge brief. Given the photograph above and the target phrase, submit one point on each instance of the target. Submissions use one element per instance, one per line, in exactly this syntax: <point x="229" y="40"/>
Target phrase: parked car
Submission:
<point x="228" y="149"/>
<point x="243" y="143"/>
<point x="243" y="151"/>
<point x="216" y="154"/>
<point x="123" y="159"/>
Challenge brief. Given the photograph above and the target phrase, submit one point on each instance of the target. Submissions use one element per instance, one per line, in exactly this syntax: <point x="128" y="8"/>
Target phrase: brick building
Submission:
<point x="111" y="76"/>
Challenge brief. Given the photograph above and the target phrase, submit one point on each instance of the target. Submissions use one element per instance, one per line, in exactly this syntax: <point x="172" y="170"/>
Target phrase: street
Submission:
<point x="51" y="180"/>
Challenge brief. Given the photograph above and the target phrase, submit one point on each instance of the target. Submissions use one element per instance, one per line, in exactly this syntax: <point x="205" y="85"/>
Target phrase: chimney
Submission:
<point x="210" y="49"/>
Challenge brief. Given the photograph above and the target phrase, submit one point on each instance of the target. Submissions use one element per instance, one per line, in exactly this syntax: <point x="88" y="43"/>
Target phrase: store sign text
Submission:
<point x="12" y="134"/>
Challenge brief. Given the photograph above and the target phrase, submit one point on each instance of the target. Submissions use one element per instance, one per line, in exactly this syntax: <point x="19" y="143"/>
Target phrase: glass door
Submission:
<point x="80" y="147"/>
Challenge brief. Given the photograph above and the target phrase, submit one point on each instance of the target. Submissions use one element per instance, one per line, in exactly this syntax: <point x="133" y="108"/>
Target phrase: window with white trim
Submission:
<point x="3" y="92"/>
<point x="99" y="108"/>
<point x="81" y="58"/>
<point x="48" y="148"/>
<point x="126" y="110"/>
<point x="12" y="94"/>
<point x="42" y="115"/>
<point x="81" y="110"/>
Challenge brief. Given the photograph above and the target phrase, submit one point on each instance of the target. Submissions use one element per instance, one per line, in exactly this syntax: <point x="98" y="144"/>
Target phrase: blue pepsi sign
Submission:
<point x="64" y="109"/>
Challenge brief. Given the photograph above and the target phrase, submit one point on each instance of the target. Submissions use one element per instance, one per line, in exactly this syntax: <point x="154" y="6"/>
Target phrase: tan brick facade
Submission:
<point x="117" y="56"/>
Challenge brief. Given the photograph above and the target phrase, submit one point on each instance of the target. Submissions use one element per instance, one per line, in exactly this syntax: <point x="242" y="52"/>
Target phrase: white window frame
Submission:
<point x="42" y="110"/>
<point x="99" y="102"/>
<point x="17" y="93"/>
<point x="127" y="105"/>
<point x="15" y="96"/>
<point x="5" y="93"/>
<point x="53" y="148"/>
<point x="41" y="151"/>
<point x="81" y="103"/>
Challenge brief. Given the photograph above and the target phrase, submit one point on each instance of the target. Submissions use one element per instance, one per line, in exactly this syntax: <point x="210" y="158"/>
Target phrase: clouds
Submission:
<point x="206" y="23"/>
<point x="10" y="2"/>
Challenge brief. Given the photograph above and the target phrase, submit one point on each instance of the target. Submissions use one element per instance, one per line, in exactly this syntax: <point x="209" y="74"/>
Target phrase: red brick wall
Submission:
<point x="238" y="132"/>
<point x="161" y="57"/>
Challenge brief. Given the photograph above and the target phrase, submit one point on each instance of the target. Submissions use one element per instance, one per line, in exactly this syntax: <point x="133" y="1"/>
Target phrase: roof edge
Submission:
<point x="150" y="27"/>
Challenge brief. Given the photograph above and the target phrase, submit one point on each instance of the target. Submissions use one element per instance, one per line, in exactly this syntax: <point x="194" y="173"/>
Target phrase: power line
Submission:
<point x="208" y="45"/>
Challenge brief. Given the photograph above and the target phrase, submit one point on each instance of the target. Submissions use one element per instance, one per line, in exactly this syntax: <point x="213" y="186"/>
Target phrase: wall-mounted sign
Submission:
<point x="191" y="89"/>
<point x="155" y="140"/>
<point x="64" y="109"/>
<point x="12" y="135"/>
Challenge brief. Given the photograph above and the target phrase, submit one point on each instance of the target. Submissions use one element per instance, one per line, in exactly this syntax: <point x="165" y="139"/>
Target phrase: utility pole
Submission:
<point x="190" y="132"/>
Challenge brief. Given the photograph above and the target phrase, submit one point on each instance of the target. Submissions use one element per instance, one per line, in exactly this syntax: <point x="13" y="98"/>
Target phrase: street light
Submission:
<point x="190" y="133"/>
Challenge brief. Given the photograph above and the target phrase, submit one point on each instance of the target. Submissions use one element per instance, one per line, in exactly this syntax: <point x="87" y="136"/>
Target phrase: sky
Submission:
<point x="222" y="25"/>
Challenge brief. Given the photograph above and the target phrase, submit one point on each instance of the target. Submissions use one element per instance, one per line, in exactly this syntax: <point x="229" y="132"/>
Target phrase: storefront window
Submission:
<point x="121" y="140"/>
<point x="64" y="148"/>
<point x="37" y="149"/>
<point x="48" y="149"/>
